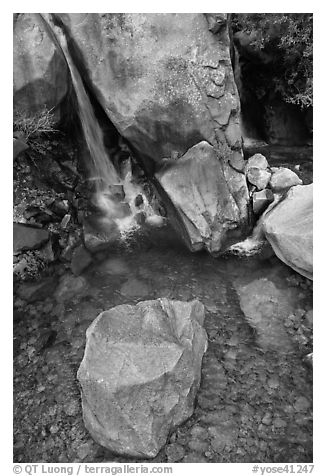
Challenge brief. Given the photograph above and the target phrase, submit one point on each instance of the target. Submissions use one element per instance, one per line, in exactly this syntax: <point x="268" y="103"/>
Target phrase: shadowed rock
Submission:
<point x="140" y="373"/>
<point x="40" y="70"/>
<point x="27" y="237"/>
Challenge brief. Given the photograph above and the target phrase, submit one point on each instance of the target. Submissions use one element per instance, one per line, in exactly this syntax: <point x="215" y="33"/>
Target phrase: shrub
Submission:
<point x="35" y="127"/>
<point x="288" y="37"/>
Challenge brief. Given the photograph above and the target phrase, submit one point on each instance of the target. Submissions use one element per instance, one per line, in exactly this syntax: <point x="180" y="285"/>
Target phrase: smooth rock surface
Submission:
<point x="289" y="229"/>
<point x="140" y="373"/>
<point x="283" y="178"/>
<point x="28" y="238"/>
<point x="211" y="215"/>
<point x="40" y="71"/>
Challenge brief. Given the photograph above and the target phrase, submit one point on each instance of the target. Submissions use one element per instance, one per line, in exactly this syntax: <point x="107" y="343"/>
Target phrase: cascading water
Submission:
<point x="102" y="171"/>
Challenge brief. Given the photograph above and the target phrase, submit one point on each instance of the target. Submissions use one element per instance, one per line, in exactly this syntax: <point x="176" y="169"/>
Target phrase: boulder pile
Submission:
<point x="286" y="210"/>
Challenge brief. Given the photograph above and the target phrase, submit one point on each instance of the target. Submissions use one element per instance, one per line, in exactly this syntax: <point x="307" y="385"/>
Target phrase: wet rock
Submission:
<point x="117" y="191"/>
<point x="139" y="200"/>
<point x="265" y="306"/>
<point x="282" y="179"/>
<point x="140" y="373"/>
<point x="154" y="221"/>
<point x="261" y="200"/>
<point x="60" y="207"/>
<point x="32" y="292"/>
<point x="81" y="259"/>
<point x="135" y="288"/>
<point x="289" y="229"/>
<point x="69" y="287"/>
<point x="28" y="238"/>
<point x="19" y="147"/>
<point x="99" y="236"/>
<point x="197" y="187"/>
<point x="258" y="177"/>
<point x="115" y="266"/>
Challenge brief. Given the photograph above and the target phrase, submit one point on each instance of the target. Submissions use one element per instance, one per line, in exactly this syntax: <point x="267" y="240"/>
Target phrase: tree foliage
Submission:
<point x="288" y="39"/>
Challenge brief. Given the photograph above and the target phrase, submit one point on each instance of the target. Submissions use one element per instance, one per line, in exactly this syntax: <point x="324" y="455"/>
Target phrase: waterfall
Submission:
<point x="102" y="171"/>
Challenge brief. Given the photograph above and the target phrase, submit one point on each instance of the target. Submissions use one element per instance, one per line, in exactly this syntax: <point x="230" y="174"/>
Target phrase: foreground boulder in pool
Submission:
<point x="166" y="82"/>
<point x="289" y="229"/>
<point x="140" y="373"/>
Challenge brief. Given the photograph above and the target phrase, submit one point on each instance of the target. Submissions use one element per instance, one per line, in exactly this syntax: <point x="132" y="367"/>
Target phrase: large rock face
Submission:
<point x="166" y="82"/>
<point x="140" y="373"/>
<point x="40" y="71"/>
<point x="289" y="229"/>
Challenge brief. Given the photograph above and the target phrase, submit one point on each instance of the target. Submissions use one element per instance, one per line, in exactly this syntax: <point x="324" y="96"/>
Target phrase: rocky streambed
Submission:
<point x="255" y="399"/>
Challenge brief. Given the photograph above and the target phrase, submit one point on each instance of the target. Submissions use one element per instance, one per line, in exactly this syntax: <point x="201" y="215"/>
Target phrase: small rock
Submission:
<point x="258" y="161"/>
<point x="81" y="259"/>
<point x="84" y="450"/>
<point x="139" y="200"/>
<point x="302" y="404"/>
<point x="198" y="445"/>
<point x="65" y="221"/>
<point x="117" y="191"/>
<point x="69" y="287"/>
<point x="279" y="423"/>
<point x="71" y="408"/>
<point x="282" y="179"/>
<point x="174" y="452"/>
<point x="273" y="382"/>
<point x="267" y="419"/>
